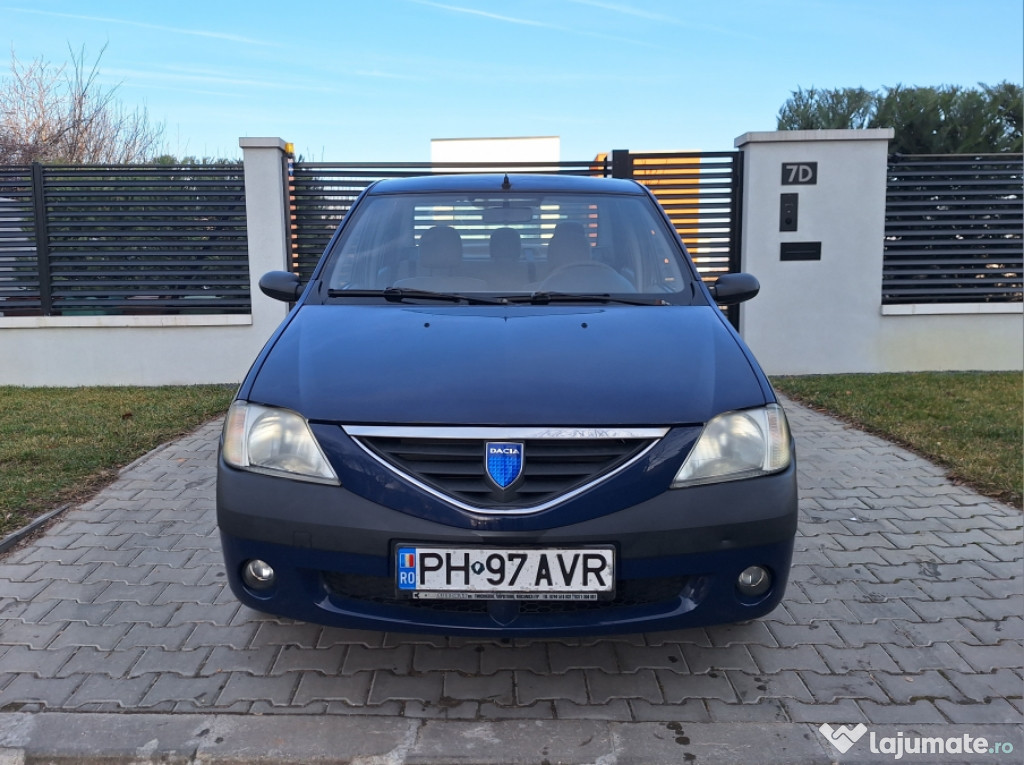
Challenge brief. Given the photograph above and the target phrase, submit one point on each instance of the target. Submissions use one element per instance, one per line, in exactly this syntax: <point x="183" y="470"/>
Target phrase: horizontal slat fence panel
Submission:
<point x="701" y="192"/>
<point x="19" y="274"/>
<point x="954" y="229"/>
<point x="133" y="239"/>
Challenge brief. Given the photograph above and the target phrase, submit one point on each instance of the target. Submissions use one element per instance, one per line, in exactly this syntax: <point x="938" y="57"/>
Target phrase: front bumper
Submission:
<point x="679" y="555"/>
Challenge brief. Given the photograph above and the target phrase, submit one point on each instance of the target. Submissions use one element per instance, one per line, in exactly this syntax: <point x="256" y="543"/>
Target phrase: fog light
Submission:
<point x="258" y="575"/>
<point x="754" y="581"/>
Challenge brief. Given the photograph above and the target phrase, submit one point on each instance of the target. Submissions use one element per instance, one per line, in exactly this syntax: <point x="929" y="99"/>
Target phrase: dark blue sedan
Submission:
<point x="507" y="405"/>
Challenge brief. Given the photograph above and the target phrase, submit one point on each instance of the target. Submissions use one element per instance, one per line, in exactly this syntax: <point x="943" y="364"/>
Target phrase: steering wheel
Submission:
<point x="586" y="276"/>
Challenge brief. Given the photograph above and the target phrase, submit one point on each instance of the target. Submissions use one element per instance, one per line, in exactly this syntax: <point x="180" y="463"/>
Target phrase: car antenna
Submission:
<point x="506" y="184"/>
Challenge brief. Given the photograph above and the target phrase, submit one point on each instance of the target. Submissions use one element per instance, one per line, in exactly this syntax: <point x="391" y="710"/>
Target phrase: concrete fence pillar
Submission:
<point x="813" y="234"/>
<point x="266" y="212"/>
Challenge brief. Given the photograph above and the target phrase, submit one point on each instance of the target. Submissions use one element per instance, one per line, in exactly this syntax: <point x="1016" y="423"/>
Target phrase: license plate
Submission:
<point x="460" y="573"/>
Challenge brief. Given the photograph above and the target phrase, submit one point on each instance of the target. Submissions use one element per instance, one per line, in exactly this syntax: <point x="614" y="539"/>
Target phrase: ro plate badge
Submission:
<point x="504" y="462"/>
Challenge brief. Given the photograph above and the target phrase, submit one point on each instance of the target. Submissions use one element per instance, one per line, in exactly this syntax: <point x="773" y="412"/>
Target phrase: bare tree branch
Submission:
<point x="62" y="115"/>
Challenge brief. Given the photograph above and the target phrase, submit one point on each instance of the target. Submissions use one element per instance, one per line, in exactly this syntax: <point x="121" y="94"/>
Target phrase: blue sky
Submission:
<point x="358" y="80"/>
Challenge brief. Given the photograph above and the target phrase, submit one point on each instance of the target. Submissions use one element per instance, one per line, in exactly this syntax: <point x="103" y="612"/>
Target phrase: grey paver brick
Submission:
<point x="124" y="593"/>
<point x="395" y="660"/>
<point x="221" y="615"/>
<point x="745" y="634"/>
<point x="531" y="687"/>
<point x="907" y="688"/>
<point x="91" y="661"/>
<point x="25" y="611"/>
<point x="123" y="693"/>
<point x="130" y="612"/>
<point x="565" y="658"/>
<point x="828" y="689"/>
<point x="431" y="659"/>
<point x="33" y="635"/>
<point x="75" y="592"/>
<point x="147" y="635"/>
<point x="751" y="689"/>
<point x="855" y="634"/>
<point x="291" y="634"/>
<point x="992" y="631"/>
<point x="917" y="712"/>
<point x="387" y="686"/>
<point x="700" y="660"/>
<point x="643" y="684"/>
<point x="253" y="660"/>
<point x="937" y="656"/>
<point x="327" y="661"/>
<point x="929" y="633"/>
<point x="869" y="657"/>
<point x="766" y="711"/>
<point x="170" y="689"/>
<point x="845" y="710"/>
<point x="50" y="692"/>
<point x="214" y="635"/>
<point x="631" y="658"/>
<point x="773" y="660"/>
<point x="815" y="633"/>
<point x="81" y="634"/>
<point x="988" y="658"/>
<point x="497" y="658"/>
<point x="994" y="712"/>
<point x="498" y="688"/>
<point x="245" y="687"/>
<point x="690" y="710"/>
<point x="678" y="688"/>
<point x="21" y="659"/>
<point x="938" y="611"/>
<point x="335" y="636"/>
<point x="158" y="660"/>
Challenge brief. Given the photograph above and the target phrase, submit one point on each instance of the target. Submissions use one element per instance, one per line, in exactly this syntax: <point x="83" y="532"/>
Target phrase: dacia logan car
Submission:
<point x="507" y="405"/>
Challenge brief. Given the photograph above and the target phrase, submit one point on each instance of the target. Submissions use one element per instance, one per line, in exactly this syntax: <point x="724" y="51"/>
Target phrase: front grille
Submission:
<point x="552" y="468"/>
<point x="380" y="590"/>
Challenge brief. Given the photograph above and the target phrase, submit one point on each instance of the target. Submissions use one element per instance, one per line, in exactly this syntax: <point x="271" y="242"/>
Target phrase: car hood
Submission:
<point x="514" y="365"/>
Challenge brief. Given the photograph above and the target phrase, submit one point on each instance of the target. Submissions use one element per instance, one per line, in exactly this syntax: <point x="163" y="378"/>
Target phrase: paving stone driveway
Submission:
<point x="904" y="606"/>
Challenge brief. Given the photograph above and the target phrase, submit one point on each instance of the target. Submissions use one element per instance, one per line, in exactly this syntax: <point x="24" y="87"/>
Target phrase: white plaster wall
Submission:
<point x="819" y="317"/>
<point x="163" y="350"/>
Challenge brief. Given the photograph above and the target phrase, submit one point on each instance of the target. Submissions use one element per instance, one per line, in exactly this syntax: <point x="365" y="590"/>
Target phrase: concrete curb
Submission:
<point x="138" y="739"/>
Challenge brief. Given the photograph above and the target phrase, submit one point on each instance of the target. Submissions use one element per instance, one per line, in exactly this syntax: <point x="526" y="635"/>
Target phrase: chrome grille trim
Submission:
<point x="483" y="434"/>
<point x="500" y="433"/>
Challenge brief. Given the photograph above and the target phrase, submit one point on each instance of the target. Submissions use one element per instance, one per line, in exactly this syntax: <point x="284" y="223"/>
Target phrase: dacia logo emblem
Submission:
<point x="504" y="462"/>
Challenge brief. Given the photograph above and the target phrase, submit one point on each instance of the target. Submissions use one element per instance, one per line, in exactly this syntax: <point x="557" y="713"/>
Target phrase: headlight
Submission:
<point x="738" y="445"/>
<point x="274" y="441"/>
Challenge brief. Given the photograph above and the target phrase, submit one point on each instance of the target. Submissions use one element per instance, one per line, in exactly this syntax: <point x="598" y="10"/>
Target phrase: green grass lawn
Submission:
<point x="61" y="444"/>
<point x="972" y="423"/>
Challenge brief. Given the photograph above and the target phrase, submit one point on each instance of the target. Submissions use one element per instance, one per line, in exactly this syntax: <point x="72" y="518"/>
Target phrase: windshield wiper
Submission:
<point x="401" y="294"/>
<point x="546" y="298"/>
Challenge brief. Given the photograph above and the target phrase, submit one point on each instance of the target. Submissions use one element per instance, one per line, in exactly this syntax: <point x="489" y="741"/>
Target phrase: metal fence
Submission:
<point x="702" y="193"/>
<point x="954" y="229"/>
<point x="127" y="239"/>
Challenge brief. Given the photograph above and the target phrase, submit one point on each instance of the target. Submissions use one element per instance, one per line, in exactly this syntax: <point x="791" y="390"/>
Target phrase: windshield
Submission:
<point x="507" y="244"/>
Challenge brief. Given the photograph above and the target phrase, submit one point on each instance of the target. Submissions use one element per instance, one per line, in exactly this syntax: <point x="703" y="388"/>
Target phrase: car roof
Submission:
<point x="494" y="182"/>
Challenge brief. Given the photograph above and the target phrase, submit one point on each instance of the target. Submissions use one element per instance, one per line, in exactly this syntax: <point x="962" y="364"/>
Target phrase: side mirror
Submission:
<point x="730" y="289"/>
<point x="281" y="285"/>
